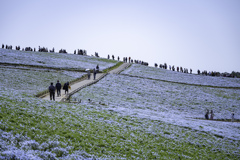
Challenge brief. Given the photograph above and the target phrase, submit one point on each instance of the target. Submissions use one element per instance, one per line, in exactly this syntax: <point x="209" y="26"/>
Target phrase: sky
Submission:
<point x="196" y="34"/>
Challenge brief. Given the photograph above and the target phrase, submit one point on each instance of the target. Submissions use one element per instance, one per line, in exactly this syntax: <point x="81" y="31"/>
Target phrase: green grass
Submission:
<point x="88" y="130"/>
<point x="113" y="67"/>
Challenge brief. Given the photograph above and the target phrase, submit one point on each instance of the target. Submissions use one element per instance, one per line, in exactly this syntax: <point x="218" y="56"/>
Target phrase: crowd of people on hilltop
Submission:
<point x="129" y="60"/>
<point x="40" y="49"/>
<point x="8" y="46"/>
<point x="45" y="49"/>
<point x="185" y="70"/>
<point x="178" y="69"/>
<point x="218" y="74"/>
<point x="78" y="51"/>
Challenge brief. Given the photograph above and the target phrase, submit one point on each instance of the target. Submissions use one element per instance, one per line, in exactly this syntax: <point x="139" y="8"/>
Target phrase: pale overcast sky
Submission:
<point x="197" y="34"/>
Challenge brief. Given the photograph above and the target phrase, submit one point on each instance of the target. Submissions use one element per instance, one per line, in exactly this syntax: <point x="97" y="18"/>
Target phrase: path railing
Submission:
<point x="67" y="97"/>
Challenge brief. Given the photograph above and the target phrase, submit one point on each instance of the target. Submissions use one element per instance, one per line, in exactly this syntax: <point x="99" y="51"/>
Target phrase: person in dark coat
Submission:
<point x="232" y="117"/>
<point x="212" y="115"/>
<point x="58" y="87"/>
<point x="65" y="87"/>
<point x="97" y="69"/>
<point x="94" y="74"/>
<point x="206" y="115"/>
<point x="89" y="74"/>
<point x="51" y="89"/>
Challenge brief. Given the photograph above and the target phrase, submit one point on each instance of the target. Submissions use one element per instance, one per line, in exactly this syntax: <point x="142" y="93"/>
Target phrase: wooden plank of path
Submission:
<point x="86" y="82"/>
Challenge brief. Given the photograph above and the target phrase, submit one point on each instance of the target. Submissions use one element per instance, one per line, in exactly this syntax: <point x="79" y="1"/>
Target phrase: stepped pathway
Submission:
<point x="86" y="82"/>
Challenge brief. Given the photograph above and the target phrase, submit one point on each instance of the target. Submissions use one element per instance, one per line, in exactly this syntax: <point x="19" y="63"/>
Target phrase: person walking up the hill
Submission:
<point x="232" y="117"/>
<point x="58" y="87"/>
<point x="211" y="116"/>
<point x="206" y="115"/>
<point x="89" y="74"/>
<point x="65" y="87"/>
<point x="51" y="89"/>
<point x="97" y="68"/>
<point x="94" y="74"/>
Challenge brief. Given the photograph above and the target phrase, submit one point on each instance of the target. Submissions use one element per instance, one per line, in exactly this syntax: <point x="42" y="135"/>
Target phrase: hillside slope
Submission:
<point x="54" y="60"/>
<point x="120" y="117"/>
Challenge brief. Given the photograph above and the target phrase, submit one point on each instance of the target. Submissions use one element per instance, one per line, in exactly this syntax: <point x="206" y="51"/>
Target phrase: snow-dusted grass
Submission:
<point x="34" y="129"/>
<point x="55" y="60"/>
<point x="170" y="103"/>
<point x="128" y="117"/>
<point x="174" y="76"/>
<point x="33" y="81"/>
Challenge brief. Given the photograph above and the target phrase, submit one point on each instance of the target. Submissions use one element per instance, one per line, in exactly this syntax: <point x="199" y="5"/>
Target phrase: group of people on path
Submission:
<point x="113" y="57"/>
<point x="58" y="86"/>
<point x="95" y="71"/>
<point x="66" y="85"/>
<point x="212" y="115"/>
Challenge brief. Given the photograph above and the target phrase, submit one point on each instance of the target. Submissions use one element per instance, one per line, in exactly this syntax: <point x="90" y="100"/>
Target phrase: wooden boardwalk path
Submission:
<point x="85" y="82"/>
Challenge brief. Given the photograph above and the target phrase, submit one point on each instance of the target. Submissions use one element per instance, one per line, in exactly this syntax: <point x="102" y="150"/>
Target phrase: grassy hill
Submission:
<point x="142" y="113"/>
